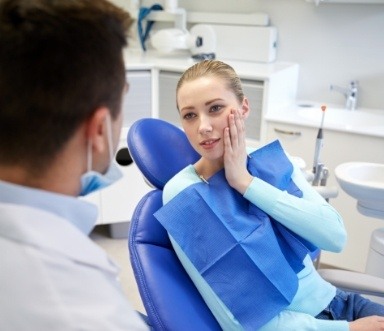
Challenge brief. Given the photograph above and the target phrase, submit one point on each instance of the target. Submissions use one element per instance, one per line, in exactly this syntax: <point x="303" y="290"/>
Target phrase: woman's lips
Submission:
<point x="209" y="143"/>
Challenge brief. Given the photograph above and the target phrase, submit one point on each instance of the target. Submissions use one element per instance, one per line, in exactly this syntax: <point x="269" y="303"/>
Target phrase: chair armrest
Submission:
<point x="327" y="192"/>
<point x="354" y="281"/>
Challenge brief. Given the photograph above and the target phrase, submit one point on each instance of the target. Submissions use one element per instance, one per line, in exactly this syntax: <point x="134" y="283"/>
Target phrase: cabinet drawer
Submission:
<point x="167" y="97"/>
<point x="296" y="140"/>
<point x="254" y="90"/>
<point x="137" y="102"/>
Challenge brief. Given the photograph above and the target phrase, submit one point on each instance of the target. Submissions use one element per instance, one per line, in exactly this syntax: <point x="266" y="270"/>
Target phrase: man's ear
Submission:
<point x="245" y="107"/>
<point x="96" y="127"/>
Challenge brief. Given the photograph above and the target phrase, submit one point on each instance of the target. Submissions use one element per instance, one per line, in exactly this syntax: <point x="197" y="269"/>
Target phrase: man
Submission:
<point x="62" y="81"/>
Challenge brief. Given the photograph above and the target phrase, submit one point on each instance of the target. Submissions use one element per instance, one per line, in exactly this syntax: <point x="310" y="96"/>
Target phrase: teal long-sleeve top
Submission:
<point x="310" y="217"/>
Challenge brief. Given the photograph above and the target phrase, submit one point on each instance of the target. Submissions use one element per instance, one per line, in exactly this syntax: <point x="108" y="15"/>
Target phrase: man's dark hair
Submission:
<point x="59" y="61"/>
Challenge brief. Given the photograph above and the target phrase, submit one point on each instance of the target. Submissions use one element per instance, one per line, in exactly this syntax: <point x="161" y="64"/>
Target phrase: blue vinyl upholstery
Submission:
<point x="171" y="301"/>
<point x="159" y="149"/>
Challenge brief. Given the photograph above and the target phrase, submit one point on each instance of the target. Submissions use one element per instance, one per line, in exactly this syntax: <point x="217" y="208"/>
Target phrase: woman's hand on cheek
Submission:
<point x="235" y="154"/>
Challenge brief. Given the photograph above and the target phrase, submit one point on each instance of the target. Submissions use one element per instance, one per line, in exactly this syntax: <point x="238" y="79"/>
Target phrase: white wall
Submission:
<point x="333" y="43"/>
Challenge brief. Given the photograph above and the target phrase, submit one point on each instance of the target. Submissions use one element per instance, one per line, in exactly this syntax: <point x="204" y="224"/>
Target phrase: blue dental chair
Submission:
<point x="171" y="300"/>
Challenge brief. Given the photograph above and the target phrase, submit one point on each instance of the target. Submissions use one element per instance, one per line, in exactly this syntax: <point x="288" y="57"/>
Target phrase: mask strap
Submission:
<point x="109" y="137"/>
<point x="89" y="155"/>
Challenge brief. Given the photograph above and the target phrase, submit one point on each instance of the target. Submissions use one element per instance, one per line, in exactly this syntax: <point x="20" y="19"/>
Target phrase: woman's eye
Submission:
<point x="216" y="108"/>
<point x="189" y="116"/>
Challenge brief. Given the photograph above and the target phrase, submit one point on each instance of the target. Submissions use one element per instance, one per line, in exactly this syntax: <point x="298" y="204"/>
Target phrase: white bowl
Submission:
<point x="363" y="181"/>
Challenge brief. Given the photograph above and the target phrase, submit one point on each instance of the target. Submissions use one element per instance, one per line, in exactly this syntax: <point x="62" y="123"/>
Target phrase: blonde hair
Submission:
<point x="213" y="68"/>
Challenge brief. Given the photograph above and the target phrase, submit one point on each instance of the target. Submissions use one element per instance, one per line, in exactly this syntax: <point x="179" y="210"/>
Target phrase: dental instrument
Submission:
<point x="318" y="168"/>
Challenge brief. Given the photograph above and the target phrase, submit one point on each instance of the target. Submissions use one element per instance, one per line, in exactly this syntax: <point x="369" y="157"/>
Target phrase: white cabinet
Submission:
<point x="254" y="90"/>
<point x="167" y="96"/>
<point x="119" y="200"/>
<point x="339" y="147"/>
<point x="138" y="101"/>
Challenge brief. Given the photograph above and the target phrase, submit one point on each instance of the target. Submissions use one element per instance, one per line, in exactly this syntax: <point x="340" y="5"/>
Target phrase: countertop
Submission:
<point x="137" y="60"/>
<point x="363" y="121"/>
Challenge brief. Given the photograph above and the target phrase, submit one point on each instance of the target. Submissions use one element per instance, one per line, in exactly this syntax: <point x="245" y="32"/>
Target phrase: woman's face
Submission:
<point x="204" y="105"/>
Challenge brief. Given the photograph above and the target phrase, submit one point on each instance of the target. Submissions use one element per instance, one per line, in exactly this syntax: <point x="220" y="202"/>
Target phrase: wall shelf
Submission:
<point x="365" y="2"/>
<point x="253" y="19"/>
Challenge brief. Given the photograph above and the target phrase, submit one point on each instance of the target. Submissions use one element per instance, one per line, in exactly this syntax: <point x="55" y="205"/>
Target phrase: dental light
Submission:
<point x="200" y="41"/>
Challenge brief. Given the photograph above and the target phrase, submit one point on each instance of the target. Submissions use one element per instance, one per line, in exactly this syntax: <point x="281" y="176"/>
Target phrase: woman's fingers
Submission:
<point x="236" y="129"/>
<point x="235" y="154"/>
<point x="240" y="127"/>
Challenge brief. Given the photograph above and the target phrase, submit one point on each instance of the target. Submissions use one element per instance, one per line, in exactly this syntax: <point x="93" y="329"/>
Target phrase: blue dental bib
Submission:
<point x="250" y="260"/>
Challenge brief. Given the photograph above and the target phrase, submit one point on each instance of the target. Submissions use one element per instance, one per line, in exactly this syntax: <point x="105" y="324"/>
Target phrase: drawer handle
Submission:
<point x="289" y="133"/>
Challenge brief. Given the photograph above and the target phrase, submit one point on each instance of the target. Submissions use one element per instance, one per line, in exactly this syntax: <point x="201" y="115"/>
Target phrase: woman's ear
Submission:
<point x="96" y="129"/>
<point x="245" y="107"/>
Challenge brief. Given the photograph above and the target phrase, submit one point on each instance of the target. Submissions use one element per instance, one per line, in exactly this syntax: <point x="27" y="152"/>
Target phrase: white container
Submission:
<point x="261" y="42"/>
<point x="171" y="5"/>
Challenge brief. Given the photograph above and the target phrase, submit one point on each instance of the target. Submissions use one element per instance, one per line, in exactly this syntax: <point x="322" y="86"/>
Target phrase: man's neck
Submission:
<point x="53" y="181"/>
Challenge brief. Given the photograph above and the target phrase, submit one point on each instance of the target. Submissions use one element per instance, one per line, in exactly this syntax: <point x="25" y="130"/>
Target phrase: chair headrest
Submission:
<point x="159" y="149"/>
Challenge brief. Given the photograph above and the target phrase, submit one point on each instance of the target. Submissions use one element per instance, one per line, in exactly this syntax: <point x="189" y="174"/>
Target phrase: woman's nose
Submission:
<point x="205" y="126"/>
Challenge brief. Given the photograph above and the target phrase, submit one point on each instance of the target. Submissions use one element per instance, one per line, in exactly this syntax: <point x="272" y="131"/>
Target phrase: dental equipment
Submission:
<point x="320" y="172"/>
<point x="200" y="41"/>
<point x="144" y="30"/>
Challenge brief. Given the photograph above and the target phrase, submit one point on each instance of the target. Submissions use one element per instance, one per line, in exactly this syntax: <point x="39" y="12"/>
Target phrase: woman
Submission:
<point x="232" y="183"/>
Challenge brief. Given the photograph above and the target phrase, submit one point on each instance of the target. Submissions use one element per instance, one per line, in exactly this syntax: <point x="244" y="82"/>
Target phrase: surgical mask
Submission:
<point x="92" y="180"/>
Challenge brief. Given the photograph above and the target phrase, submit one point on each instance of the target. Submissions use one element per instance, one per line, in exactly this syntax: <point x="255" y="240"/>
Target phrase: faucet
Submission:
<point x="350" y="94"/>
